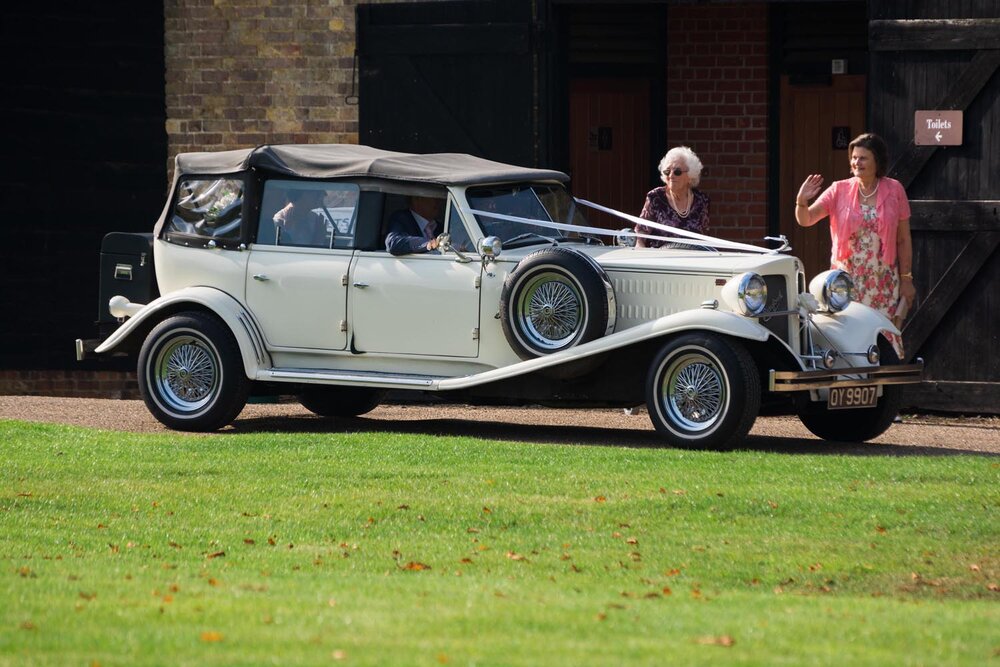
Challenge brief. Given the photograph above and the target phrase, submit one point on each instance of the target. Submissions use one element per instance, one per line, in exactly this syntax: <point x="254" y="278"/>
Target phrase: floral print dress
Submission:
<point x="875" y="284"/>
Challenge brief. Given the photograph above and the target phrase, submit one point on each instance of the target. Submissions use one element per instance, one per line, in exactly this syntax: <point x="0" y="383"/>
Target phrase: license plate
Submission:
<point x="844" y="398"/>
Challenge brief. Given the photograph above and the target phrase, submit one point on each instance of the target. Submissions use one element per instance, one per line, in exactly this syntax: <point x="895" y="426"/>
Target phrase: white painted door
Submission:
<point x="298" y="295"/>
<point x="415" y="304"/>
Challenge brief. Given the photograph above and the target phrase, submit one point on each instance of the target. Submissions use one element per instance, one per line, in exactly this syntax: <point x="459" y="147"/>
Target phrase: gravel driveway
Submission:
<point x="918" y="434"/>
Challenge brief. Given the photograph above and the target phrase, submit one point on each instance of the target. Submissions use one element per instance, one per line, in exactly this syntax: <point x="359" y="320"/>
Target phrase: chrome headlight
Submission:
<point x="490" y="247"/>
<point x="747" y="294"/>
<point x="833" y="289"/>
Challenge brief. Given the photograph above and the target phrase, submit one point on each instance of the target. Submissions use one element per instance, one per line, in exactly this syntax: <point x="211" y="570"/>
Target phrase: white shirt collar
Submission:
<point x="422" y="222"/>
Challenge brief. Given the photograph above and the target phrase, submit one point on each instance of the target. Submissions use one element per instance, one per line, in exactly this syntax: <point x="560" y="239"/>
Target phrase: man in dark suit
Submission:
<point x="416" y="229"/>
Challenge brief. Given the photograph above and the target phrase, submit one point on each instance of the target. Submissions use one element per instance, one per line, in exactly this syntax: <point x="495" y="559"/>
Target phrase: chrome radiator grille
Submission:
<point x="777" y="301"/>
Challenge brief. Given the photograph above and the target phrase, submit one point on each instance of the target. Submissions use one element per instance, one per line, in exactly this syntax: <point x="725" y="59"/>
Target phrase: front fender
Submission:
<point x="221" y="304"/>
<point x="854" y="328"/>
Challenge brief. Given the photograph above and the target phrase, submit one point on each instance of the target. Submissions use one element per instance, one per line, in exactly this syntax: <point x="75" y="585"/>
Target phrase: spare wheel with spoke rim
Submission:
<point x="191" y="373"/>
<point x="703" y="391"/>
<point x="554" y="299"/>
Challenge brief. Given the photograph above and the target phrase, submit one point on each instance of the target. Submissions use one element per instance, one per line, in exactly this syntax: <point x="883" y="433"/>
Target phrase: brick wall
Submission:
<point x="247" y="72"/>
<point x="79" y="384"/>
<point x="717" y="82"/>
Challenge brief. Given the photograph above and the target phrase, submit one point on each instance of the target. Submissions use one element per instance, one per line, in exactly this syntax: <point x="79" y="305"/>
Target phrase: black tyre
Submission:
<point x="191" y="373"/>
<point x="703" y="391"/>
<point x="860" y="424"/>
<point x="554" y="299"/>
<point x="328" y="401"/>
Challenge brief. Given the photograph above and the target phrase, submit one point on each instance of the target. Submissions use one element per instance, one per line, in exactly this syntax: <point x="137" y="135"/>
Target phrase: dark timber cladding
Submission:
<point x="449" y="77"/>
<point x="946" y="56"/>
<point x="84" y="152"/>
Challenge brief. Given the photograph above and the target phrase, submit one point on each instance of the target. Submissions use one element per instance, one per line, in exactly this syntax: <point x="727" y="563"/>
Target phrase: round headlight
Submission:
<point x="490" y="247"/>
<point x="837" y="291"/>
<point x="752" y="294"/>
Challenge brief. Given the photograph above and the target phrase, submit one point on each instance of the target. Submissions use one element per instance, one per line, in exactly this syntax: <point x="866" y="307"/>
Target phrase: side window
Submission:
<point x="308" y="214"/>
<point x="456" y="229"/>
<point x="206" y="209"/>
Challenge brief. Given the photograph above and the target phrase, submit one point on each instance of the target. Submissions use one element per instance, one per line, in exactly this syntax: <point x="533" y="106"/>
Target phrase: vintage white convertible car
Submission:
<point x="522" y="303"/>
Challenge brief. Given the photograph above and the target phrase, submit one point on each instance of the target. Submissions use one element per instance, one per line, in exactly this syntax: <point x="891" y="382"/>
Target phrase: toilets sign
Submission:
<point x="937" y="128"/>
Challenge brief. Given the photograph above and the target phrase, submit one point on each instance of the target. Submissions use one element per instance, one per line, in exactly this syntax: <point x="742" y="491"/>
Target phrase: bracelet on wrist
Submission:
<point x="906" y="275"/>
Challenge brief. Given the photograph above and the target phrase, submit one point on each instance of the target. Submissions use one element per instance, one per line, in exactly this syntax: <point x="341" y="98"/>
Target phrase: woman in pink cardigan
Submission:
<point x="869" y="227"/>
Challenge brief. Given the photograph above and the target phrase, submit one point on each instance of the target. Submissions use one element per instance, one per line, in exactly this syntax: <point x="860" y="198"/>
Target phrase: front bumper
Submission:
<point x="846" y="377"/>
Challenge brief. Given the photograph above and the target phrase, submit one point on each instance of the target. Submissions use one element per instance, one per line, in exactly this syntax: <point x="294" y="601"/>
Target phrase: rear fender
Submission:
<point x="221" y="304"/>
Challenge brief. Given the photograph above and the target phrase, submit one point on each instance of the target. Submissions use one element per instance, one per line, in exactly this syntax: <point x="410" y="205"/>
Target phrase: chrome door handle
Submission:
<point x="261" y="277"/>
<point x="361" y="285"/>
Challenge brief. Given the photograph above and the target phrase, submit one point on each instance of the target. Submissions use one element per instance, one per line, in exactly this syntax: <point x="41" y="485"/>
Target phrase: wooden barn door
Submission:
<point x="451" y="77"/>
<point x="609" y="145"/>
<point x="924" y="59"/>
<point x="817" y="123"/>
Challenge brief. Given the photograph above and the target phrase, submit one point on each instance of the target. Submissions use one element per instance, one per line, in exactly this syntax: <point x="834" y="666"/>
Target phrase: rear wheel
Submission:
<point x="327" y="401"/>
<point x="703" y="391"/>
<point x="191" y="374"/>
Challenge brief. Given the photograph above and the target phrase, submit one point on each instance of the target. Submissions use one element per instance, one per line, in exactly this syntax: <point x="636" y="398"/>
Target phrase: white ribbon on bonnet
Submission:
<point x="674" y="232"/>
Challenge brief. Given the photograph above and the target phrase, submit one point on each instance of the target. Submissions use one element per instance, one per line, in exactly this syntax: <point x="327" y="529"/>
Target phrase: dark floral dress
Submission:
<point x="658" y="209"/>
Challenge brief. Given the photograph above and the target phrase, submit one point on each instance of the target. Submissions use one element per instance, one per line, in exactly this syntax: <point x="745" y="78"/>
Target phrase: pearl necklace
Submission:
<point x="677" y="209"/>
<point x="861" y="189"/>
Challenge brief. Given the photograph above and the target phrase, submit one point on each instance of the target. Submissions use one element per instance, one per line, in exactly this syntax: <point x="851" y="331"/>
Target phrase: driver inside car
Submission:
<point x="415" y="230"/>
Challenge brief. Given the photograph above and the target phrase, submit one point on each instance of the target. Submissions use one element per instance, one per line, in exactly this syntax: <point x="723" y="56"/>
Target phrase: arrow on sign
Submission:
<point x="938" y="136"/>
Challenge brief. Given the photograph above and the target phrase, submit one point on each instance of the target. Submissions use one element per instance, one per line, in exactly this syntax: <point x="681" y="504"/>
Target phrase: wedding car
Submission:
<point x="520" y="302"/>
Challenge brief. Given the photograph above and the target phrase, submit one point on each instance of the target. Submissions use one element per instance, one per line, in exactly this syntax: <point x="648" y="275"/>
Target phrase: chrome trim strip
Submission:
<point x="824" y="379"/>
<point x="340" y="377"/>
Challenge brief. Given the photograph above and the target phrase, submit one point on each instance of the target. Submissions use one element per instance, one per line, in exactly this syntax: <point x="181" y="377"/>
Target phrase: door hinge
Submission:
<point x="479" y="282"/>
<point x="475" y="334"/>
<point x="343" y="280"/>
<point x="343" y="325"/>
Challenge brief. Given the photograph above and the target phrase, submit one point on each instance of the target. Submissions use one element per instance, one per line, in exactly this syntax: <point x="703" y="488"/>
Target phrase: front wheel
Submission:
<point x="191" y="373"/>
<point x="859" y="424"/>
<point x="703" y="391"/>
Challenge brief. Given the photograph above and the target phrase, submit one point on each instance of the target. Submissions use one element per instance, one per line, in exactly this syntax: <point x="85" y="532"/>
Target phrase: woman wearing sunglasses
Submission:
<point x="678" y="203"/>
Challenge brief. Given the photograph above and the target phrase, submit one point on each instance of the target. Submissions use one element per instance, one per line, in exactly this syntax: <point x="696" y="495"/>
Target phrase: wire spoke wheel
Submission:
<point x="191" y="373"/>
<point x="694" y="391"/>
<point x="703" y="390"/>
<point x="186" y="373"/>
<point x="551" y="309"/>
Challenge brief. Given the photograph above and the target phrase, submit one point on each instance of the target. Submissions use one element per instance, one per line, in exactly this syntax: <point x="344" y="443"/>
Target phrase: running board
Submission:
<point x="358" y="378"/>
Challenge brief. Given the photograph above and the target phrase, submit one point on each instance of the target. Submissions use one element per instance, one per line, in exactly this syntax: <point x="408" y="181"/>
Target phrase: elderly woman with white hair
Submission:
<point x="678" y="203"/>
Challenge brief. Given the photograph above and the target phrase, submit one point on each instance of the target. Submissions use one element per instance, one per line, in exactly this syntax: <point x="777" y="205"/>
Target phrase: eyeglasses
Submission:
<point x="677" y="171"/>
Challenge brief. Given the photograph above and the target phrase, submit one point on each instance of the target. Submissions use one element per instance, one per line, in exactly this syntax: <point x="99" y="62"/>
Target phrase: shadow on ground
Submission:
<point x="568" y="435"/>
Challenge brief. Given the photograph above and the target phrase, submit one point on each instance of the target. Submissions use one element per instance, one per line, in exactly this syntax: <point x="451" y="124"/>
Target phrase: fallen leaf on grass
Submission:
<point x="600" y="499"/>
<point x="338" y="655"/>
<point x="516" y="556"/>
<point x="247" y="540"/>
<point x="217" y="554"/>
<point x="28" y="625"/>
<point x="211" y="636"/>
<point x="724" y="640"/>
<point x="414" y="566"/>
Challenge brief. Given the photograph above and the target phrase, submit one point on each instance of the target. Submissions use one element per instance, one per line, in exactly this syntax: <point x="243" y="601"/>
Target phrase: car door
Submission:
<point x="298" y="293"/>
<point x="426" y="304"/>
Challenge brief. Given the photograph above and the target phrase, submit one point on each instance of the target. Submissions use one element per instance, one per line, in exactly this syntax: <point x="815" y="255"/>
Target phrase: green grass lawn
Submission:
<point x="386" y="549"/>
